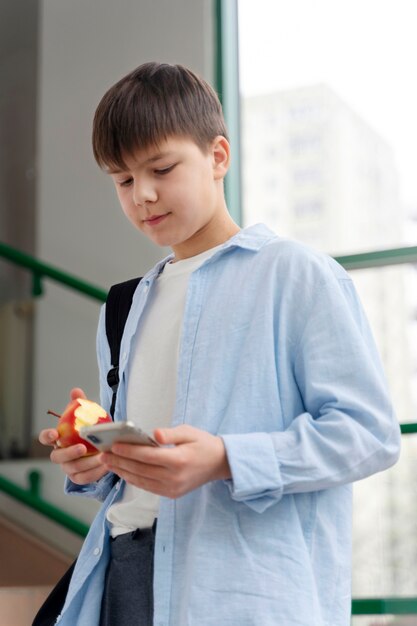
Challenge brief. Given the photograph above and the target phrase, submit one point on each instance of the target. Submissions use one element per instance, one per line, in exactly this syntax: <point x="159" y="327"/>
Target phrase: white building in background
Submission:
<point x="315" y="171"/>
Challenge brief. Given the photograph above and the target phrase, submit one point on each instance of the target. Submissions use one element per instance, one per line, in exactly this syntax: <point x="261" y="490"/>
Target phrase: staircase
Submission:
<point x="29" y="568"/>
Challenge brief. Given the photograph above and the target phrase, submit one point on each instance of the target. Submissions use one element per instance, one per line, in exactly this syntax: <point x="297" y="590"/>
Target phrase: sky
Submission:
<point x="366" y="50"/>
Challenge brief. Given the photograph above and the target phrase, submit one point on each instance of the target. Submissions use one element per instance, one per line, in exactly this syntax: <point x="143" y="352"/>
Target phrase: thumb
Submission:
<point x="176" y="435"/>
<point x="49" y="436"/>
<point x="77" y="392"/>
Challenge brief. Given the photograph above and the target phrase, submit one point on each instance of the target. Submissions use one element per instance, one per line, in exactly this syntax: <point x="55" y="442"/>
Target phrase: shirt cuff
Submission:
<point x="98" y="490"/>
<point x="256" y="476"/>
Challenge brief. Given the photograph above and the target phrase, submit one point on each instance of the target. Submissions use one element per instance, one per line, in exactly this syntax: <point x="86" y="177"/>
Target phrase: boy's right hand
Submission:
<point x="79" y="468"/>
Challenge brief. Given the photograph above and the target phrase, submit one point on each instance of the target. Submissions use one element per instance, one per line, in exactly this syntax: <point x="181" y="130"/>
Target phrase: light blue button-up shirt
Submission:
<point x="277" y="357"/>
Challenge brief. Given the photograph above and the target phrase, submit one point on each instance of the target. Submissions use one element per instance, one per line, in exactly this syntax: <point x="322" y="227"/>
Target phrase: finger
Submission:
<point x="154" y="485"/>
<point x="143" y="482"/>
<point x="49" y="436"/>
<point x="171" y="480"/>
<point x="83" y="464"/>
<point x="88" y="476"/>
<point x="115" y="463"/>
<point x="176" y="435"/>
<point x="166" y="481"/>
<point x="142" y="471"/>
<point x="77" y="392"/>
<point x="147" y="455"/>
<point x="65" y="455"/>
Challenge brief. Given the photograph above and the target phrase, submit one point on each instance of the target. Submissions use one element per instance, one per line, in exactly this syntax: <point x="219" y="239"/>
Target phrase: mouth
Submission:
<point x="153" y="220"/>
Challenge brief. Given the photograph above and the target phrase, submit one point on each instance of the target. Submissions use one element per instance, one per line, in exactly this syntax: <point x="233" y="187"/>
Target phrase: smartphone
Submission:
<point x="102" y="436"/>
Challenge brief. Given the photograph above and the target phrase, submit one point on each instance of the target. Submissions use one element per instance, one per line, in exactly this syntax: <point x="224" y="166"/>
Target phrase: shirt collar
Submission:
<point x="250" y="238"/>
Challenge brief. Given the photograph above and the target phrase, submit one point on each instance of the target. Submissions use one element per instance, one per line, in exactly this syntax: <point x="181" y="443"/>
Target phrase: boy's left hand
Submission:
<point x="195" y="457"/>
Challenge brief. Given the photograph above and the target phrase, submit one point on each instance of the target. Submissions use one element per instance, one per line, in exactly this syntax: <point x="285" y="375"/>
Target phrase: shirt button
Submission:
<point x="124" y="356"/>
<point x="96" y="551"/>
<point x="146" y="288"/>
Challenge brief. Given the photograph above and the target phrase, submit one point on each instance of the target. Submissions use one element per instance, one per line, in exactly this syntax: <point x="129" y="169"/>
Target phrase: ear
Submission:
<point x="221" y="157"/>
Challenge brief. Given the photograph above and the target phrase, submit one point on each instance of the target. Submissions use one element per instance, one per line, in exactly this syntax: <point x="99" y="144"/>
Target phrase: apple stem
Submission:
<point x="56" y="414"/>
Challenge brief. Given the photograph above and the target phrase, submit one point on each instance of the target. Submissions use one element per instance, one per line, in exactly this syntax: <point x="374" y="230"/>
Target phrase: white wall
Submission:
<point x="85" y="46"/>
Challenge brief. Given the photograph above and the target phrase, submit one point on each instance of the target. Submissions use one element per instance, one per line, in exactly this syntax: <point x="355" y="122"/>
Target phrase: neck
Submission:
<point x="217" y="231"/>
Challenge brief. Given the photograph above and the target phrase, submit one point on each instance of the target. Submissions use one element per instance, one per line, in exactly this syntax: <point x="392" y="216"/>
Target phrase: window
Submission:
<point x="319" y="80"/>
<point x="330" y="84"/>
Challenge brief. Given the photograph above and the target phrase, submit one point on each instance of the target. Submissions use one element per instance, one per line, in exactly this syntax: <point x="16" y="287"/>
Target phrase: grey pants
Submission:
<point x="128" y="589"/>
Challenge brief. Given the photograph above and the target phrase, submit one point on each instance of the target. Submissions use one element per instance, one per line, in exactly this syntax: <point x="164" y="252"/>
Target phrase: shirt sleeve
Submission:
<point x="100" y="489"/>
<point x="348" y="430"/>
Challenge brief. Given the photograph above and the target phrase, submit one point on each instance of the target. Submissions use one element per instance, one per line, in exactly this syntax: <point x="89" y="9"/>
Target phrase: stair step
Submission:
<point x="26" y="560"/>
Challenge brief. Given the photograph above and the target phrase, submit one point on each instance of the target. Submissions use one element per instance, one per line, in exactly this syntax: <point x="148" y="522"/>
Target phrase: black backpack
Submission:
<point x="118" y="303"/>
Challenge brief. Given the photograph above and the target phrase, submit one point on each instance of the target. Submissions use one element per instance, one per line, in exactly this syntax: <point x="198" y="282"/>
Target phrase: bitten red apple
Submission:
<point x="79" y="412"/>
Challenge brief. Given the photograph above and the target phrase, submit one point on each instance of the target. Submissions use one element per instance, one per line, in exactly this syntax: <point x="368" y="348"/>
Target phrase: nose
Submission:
<point x="143" y="192"/>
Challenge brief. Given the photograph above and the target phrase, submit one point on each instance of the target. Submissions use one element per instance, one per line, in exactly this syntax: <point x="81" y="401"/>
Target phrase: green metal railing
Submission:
<point x="32" y="497"/>
<point x="408" y="429"/>
<point x="385" y="606"/>
<point x="42" y="270"/>
<point x="378" y="258"/>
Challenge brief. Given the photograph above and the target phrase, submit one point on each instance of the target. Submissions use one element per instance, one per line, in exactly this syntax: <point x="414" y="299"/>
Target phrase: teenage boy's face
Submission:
<point x="174" y="193"/>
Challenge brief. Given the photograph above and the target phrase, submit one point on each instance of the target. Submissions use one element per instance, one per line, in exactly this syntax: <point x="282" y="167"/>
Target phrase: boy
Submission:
<point x="250" y="359"/>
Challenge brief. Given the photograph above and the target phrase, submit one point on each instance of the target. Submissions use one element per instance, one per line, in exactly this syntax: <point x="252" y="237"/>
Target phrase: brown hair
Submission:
<point x="150" y="104"/>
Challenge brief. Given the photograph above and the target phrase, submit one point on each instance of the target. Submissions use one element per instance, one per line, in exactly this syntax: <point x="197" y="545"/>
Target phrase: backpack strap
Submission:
<point x="118" y="303"/>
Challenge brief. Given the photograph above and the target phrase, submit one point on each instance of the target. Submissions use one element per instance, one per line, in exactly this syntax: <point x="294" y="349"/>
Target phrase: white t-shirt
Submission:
<point x="152" y="380"/>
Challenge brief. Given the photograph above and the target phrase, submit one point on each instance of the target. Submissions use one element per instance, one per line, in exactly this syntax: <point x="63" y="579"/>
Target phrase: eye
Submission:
<point x="125" y="183"/>
<point x="165" y="170"/>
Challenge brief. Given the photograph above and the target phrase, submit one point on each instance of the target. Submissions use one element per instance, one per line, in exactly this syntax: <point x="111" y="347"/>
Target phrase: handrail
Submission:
<point x="31" y="497"/>
<point x="408" y="428"/>
<point x="378" y="258"/>
<point x="40" y="270"/>
<point x="384" y="606"/>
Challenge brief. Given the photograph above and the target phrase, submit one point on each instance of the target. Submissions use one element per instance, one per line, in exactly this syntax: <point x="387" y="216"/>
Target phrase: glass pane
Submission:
<point x="384" y="520"/>
<point x="389" y="297"/>
<point x="328" y="121"/>
<point x="384" y="530"/>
